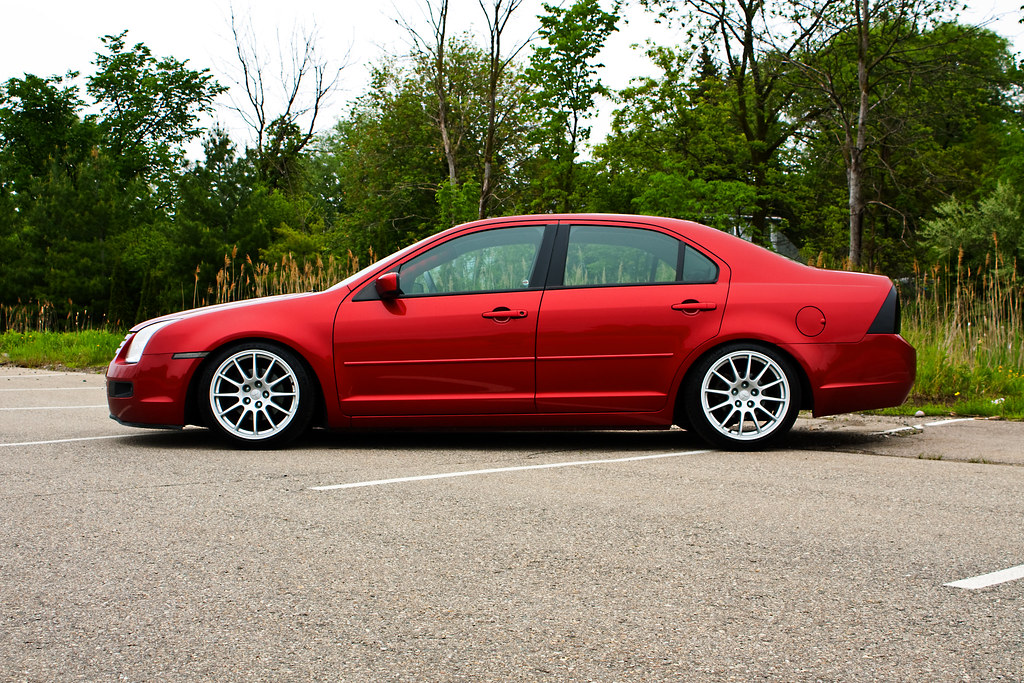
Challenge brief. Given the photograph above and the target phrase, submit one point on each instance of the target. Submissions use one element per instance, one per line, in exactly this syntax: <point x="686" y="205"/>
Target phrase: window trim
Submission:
<point x="538" y="277"/>
<point x="560" y="256"/>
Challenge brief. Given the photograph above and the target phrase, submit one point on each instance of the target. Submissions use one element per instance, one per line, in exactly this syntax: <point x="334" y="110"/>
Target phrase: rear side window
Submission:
<point x="632" y="256"/>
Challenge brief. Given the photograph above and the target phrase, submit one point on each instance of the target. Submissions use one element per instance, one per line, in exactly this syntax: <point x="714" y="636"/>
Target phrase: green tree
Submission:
<point x="463" y="128"/>
<point x="973" y="234"/>
<point x="752" y="56"/>
<point x="563" y="74"/>
<point x="672" y="151"/>
<point x="40" y="123"/>
<point x="149" y="108"/>
<point x="87" y="199"/>
<point x="942" y="110"/>
<point x="383" y="166"/>
<point x="44" y="147"/>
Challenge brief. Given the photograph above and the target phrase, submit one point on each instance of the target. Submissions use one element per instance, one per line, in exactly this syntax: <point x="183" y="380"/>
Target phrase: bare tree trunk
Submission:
<point x="441" y="90"/>
<point x="434" y="49"/>
<point x="854" y="172"/>
<point x="497" y="15"/>
<point x="487" y="186"/>
<point x="855" y="152"/>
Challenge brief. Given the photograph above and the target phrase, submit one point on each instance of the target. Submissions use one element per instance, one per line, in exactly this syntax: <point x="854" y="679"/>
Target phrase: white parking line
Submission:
<point x="98" y="405"/>
<point x="24" y="389"/>
<point x="496" y="470"/>
<point x="938" y="423"/>
<point x="80" y="438"/>
<point x="42" y="375"/>
<point x="992" y="579"/>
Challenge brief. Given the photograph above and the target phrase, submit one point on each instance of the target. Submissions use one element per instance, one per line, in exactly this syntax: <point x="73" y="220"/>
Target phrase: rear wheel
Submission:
<point x="743" y="396"/>
<point x="257" y="395"/>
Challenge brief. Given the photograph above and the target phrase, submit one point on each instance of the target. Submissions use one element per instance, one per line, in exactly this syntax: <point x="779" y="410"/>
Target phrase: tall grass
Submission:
<point x="237" y="280"/>
<point x="968" y="327"/>
<point x="42" y="316"/>
<point x="36" y="335"/>
<point x="241" y="279"/>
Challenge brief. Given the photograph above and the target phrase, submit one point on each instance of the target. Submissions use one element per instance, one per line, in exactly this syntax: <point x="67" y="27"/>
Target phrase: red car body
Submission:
<point x="548" y="348"/>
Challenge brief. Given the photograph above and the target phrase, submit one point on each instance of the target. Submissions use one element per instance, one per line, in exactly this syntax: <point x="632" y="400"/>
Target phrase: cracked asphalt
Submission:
<point x="133" y="555"/>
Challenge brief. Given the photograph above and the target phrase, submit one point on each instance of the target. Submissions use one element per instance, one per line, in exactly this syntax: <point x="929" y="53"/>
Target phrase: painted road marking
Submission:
<point x="42" y="375"/>
<point x="497" y="470"/>
<point x="80" y="438"/>
<point x="918" y="428"/>
<point x="992" y="579"/>
<point x="24" y="389"/>
<point x="98" y="405"/>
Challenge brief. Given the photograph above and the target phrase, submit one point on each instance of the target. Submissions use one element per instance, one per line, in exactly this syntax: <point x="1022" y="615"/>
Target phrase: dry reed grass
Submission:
<point x="241" y="279"/>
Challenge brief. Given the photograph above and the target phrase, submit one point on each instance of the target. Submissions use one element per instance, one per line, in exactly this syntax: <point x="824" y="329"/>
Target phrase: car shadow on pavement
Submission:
<point x="195" y="438"/>
<point x="581" y="441"/>
<point x="817" y="440"/>
<point x="616" y="441"/>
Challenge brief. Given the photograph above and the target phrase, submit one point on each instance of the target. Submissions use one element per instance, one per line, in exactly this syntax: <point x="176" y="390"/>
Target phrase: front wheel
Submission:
<point x="257" y="395"/>
<point x="743" y="396"/>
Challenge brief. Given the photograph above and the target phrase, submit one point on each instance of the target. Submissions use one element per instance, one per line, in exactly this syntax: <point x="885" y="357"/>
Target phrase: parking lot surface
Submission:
<point x="132" y="555"/>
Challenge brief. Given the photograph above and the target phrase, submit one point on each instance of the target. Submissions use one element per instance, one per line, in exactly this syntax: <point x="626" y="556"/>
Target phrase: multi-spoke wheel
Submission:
<point x="743" y="396"/>
<point x="257" y="394"/>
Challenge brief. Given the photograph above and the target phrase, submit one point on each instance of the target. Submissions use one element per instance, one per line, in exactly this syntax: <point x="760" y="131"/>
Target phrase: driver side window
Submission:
<point x="488" y="261"/>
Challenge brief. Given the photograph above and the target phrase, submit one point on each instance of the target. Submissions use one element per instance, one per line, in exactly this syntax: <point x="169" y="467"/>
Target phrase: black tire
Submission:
<point x="256" y="395"/>
<point x="742" y="397"/>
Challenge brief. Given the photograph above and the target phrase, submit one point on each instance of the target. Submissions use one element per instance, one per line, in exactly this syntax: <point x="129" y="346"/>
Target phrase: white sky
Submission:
<point x="47" y="37"/>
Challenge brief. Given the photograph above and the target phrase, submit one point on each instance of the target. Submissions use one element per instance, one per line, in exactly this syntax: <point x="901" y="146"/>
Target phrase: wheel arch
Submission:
<point x="193" y="414"/>
<point x="679" y="409"/>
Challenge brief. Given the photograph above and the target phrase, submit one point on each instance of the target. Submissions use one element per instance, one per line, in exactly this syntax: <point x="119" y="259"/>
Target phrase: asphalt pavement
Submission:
<point x="136" y="555"/>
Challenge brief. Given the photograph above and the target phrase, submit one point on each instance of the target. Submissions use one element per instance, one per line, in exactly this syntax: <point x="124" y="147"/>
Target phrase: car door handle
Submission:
<point x="504" y="314"/>
<point x="694" y="306"/>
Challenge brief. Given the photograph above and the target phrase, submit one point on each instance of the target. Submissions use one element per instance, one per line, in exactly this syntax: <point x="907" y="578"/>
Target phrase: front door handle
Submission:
<point x="501" y="314"/>
<point x="694" y="306"/>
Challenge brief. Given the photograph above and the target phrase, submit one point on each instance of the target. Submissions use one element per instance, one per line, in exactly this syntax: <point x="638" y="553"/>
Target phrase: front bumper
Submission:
<point x="152" y="392"/>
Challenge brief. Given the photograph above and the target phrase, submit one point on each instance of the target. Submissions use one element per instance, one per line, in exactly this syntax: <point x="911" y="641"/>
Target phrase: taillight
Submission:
<point x="889" y="316"/>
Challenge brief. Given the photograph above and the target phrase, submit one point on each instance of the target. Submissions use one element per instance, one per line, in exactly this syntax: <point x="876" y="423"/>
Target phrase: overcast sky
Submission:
<point x="47" y="37"/>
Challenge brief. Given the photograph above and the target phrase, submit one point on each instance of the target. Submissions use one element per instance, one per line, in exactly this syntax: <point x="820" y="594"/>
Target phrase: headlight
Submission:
<point x="137" y="345"/>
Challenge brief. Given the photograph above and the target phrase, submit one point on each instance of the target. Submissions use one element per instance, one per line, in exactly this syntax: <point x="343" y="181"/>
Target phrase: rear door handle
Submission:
<point x="694" y="306"/>
<point x="504" y="314"/>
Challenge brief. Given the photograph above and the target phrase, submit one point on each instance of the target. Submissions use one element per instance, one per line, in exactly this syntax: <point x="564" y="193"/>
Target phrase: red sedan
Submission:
<point x="592" y="321"/>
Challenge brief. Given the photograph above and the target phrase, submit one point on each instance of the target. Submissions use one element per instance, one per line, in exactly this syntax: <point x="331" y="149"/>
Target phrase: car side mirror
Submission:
<point x="387" y="286"/>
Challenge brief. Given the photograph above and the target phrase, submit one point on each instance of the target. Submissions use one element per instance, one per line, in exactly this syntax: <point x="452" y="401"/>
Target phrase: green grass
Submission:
<point x="968" y="329"/>
<point x="986" y="381"/>
<point x="1011" y="409"/>
<point x="981" y="375"/>
<point x="85" y="349"/>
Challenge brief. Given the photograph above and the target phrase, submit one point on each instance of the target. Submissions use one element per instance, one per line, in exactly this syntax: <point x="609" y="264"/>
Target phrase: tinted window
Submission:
<point x="698" y="268"/>
<point x="628" y="256"/>
<point x="493" y="260"/>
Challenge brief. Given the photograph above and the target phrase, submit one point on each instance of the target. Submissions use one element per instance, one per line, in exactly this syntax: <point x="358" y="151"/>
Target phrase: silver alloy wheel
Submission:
<point x="745" y="395"/>
<point x="254" y="394"/>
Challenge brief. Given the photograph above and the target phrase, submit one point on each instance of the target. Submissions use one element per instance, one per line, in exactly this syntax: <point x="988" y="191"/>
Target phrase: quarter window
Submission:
<point x="697" y="268"/>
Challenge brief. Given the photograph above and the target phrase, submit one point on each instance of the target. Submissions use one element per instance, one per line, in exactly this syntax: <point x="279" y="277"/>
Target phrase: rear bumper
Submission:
<point x="876" y="372"/>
